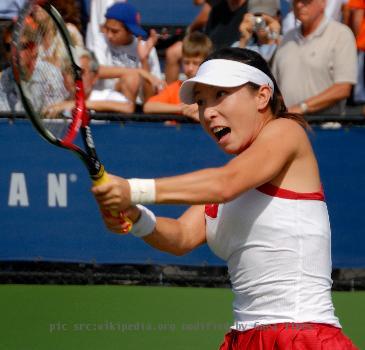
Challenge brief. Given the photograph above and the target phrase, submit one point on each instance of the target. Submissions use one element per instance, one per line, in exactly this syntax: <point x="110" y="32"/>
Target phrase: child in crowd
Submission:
<point x="195" y="48"/>
<point x="123" y="47"/>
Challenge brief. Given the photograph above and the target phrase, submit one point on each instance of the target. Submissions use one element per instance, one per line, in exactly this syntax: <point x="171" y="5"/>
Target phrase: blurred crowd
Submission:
<point x="315" y="50"/>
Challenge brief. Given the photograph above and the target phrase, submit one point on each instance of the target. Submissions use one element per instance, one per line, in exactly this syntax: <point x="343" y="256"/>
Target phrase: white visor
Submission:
<point x="224" y="73"/>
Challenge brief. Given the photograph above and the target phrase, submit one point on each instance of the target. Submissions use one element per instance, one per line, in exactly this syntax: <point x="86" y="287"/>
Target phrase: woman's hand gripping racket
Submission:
<point x="46" y="73"/>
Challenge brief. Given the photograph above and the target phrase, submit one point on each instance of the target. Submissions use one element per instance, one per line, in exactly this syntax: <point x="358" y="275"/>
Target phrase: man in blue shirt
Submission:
<point x="9" y="11"/>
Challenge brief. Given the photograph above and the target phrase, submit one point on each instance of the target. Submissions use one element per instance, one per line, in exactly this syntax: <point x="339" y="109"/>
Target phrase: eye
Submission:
<point x="199" y="101"/>
<point x="221" y="93"/>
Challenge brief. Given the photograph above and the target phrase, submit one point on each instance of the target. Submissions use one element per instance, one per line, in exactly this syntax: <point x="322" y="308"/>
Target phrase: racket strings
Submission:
<point x="46" y="71"/>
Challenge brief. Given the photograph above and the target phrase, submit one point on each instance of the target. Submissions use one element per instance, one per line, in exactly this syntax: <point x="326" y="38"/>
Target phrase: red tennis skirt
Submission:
<point x="288" y="336"/>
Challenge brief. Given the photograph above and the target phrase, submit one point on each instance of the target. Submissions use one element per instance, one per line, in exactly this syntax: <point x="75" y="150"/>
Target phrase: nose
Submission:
<point x="190" y="68"/>
<point x="108" y="34"/>
<point x="210" y="113"/>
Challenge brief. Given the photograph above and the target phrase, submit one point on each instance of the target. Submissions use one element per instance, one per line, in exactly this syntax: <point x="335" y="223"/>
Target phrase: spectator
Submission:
<point x="5" y="40"/>
<point x="224" y="21"/>
<point x="94" y="28"/>
<point x="335" y="10"/>
<point x="357" y="24"/>
<point x="9" y="95"/>
<point x="222" y="27"/>
<point x="195" y="48"/>
<point x="9" y="11"/>
<point x="84" y="6"/>
<point x="70" y="12"/>
<point x="315" y="64"/>
<point x="260" y="28"/>
<point x="123" y="47"/>
<point x="32" y="72"/>
<point x="107" y="100"/>
<point x="174" y="52"/>
<point x="201" y="19"/>
<point x="52" y="48"/>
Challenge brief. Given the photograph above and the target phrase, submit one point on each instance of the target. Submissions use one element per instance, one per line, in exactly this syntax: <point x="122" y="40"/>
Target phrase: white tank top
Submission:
<point x="277" y="244"/>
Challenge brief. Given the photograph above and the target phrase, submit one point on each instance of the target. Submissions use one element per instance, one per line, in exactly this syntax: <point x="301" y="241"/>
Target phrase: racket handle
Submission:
<point x="102" y="180"/>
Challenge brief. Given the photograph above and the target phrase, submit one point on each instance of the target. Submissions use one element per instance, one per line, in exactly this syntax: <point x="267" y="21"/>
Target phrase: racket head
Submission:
<point x="47" y="75"/>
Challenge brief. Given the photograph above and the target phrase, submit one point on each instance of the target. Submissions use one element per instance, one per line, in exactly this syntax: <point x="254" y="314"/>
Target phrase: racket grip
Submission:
<point x="102" y="180"/>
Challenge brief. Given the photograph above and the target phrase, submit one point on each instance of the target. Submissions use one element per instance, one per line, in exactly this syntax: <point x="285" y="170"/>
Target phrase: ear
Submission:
<point x="263" y="97"/>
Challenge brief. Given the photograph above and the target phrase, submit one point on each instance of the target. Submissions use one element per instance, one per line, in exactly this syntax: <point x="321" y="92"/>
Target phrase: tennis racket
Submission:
<point x="48" y="76"/>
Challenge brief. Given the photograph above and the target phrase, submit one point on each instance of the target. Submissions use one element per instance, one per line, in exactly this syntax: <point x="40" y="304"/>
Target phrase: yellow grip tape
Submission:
<point x="102" y="179"/>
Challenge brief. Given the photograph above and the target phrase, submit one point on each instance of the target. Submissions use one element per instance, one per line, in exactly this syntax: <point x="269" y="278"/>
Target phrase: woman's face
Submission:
<point x="231" y="115"/>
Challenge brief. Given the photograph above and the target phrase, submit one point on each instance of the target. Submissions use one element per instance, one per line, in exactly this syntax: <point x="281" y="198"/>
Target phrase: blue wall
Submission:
<point x="180" y="12"/>
<point x="48" y="213"/>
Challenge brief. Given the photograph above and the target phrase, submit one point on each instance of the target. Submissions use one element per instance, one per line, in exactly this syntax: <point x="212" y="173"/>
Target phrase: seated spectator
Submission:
<point x="5" y="40"/>
<point x="32" y="73"/>
<point x="106" y="100"/>
<point x="174" y="52"/>
<point x="71" y="14"/>
<point x="9" y="11"/>
<point x="52" y="45"/>
<point x="222" y="21"/>
<point x="9" y="94"/>
<point x="123" y="47"/>
<point x="315" y="64"/>
<point x="94" y="32"/>
<point x="195" y="48"/>
<point x="260" y="28"/>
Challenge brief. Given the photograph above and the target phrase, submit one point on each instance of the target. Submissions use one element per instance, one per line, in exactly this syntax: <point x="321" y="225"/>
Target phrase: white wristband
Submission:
<point x="143" y="191"/>
<point x="145" y="224"/>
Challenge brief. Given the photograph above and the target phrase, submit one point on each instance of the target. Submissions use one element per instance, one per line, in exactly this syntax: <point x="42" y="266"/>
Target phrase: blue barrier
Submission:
<point x="163" y="12"/>
<point x="48" y="213"/>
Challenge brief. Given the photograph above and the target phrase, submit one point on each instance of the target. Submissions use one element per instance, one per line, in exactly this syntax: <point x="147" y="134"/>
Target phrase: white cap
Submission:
<point x="223" y="73"/>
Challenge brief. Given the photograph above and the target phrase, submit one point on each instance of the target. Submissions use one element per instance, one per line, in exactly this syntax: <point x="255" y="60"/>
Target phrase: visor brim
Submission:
<point x="187" y="87"/>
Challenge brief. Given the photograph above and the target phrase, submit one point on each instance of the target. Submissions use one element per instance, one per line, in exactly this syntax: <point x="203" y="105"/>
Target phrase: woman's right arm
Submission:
<point x="179" y="236"/>
<point x="174" y="236"/>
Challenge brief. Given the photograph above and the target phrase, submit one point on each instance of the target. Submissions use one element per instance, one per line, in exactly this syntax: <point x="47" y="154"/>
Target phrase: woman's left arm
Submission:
<point x="276" y="146"/>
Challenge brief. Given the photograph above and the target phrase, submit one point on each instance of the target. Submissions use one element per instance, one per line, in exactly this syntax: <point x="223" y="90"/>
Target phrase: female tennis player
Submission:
<point x="263" y="212"/>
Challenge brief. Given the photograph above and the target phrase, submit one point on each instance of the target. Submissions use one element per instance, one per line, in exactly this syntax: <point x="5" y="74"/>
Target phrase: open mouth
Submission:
<point x="221" y="131"/>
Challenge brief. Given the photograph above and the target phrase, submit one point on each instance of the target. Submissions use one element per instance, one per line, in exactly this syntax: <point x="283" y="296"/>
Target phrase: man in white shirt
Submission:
<point x="315" y="64"/>
<point x="333" y="11"/>
<point x="123" y="47"/>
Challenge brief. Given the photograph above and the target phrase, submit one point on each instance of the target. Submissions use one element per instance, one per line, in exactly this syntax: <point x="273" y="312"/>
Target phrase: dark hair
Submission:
<point x="69" y="10"/>
<point x="252" y="58"/>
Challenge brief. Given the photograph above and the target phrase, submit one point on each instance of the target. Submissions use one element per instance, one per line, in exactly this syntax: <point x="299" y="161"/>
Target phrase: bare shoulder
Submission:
<point x="286" y="129"/>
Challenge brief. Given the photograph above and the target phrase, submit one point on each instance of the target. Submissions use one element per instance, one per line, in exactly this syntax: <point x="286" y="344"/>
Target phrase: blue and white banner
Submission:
<point x="47" y="212"/>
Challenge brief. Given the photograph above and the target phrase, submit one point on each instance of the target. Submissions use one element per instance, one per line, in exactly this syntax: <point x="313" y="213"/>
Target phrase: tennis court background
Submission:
<point x="132" y="317"/>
